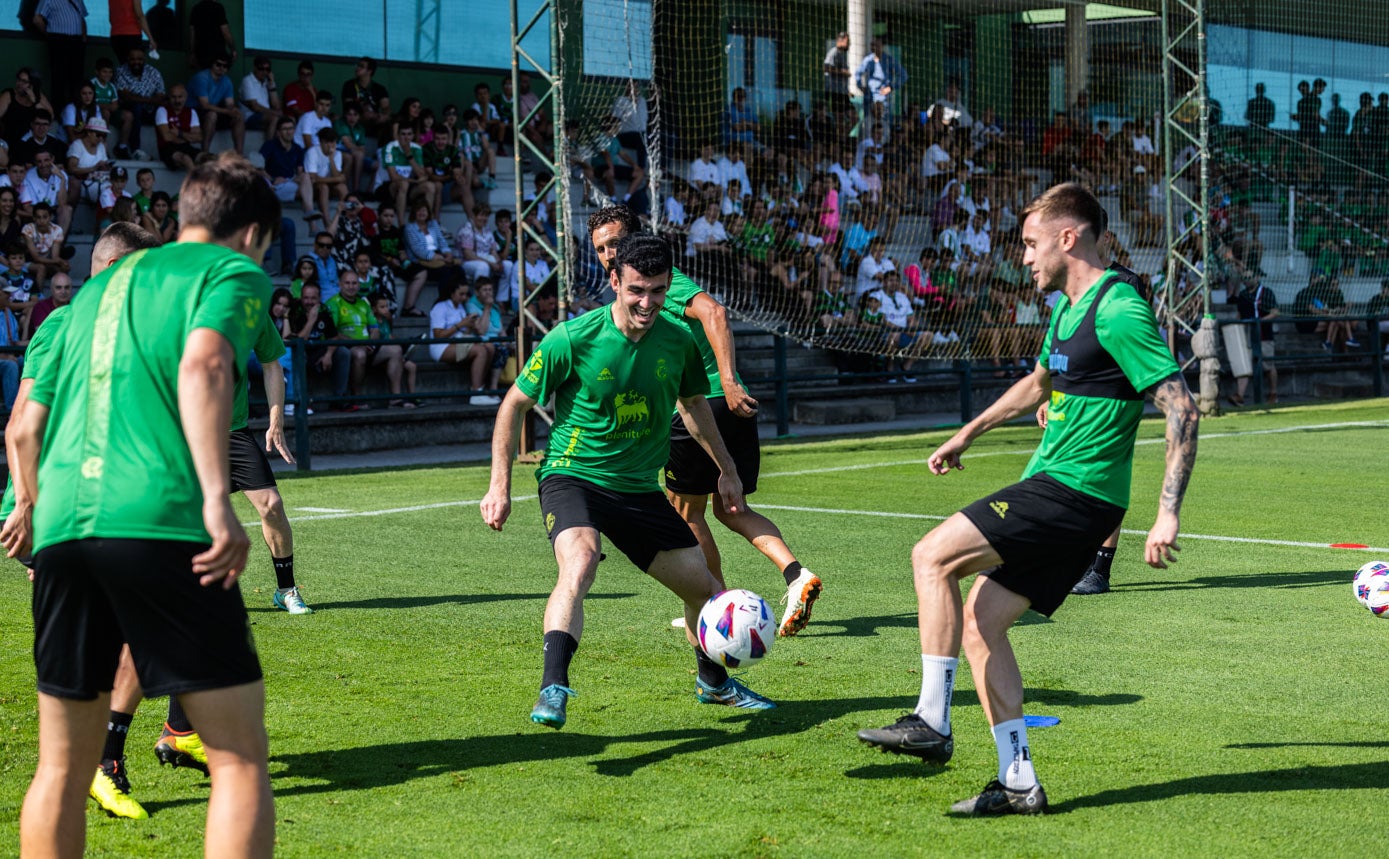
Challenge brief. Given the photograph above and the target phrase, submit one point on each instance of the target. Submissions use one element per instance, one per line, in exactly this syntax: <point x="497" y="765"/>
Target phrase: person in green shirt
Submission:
<point x="124" y="493"/>
<point x="615" y="374"/>
<point x="356" y="320"/>
<point x="691" y="476"/>
<point x="1032" y="541"/>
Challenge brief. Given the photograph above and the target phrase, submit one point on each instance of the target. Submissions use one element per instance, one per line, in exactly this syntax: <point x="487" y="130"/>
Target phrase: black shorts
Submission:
<point x="250" y="468"/>
<point x="167" y="153"/>
<point x="639" y="524"/>
<point x="690" y="471"/>
<point x="92" y="595"/>
<point x="1046" y="533"/>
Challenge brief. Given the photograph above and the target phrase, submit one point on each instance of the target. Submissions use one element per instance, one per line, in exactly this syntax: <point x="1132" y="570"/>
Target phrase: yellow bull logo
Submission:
<point x="631" y="408"/>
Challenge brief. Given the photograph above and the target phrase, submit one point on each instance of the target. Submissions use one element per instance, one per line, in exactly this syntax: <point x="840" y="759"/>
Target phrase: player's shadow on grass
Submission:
<point x="1306" y="579"/>
<point x="426" y="601"/>
<point x="869" y="626"/>
<point x="1372" y="776"/>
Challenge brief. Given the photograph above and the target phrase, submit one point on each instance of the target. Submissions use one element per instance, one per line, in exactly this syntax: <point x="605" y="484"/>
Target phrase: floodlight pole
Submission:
<point x="554" y="98"/>
<point x="1184" y="35"/>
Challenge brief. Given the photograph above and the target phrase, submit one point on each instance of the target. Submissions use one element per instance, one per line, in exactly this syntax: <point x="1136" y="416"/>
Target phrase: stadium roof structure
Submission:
<point x="1329" y="19"/>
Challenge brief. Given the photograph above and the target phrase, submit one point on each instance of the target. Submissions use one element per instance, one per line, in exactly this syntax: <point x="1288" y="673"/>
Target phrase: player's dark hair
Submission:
<point x="227" y="195"/>
<point x="1070" y="200"/>
<point x="615" y="213"/>
<point x="646" y="254"/>
<point x="122" y="238"/>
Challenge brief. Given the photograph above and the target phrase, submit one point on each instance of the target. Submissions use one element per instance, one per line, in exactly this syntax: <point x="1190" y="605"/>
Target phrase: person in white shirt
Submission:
<point x="898" y="316"/>
<point x="733" y="199"/>
<point x="950" y="109"/>
<point x="259" y="96"/>
<point x="708" y="250"/>
<point x="450" y="319"/>
<point x="978" y="247"/>
<point x="867" y="182"/>
<point x="872" y="268"/>
<point x="323" y="164"/>
<point x="631" y="109"/>
<point x="733" y="167"/>
<point x="840" y="170"/>
<point x="88" y="166"/>
<point x="674" y="206"/>
<point x="306" y="130"/>
<point x="936" y="167"/>
<point x="537" y="271"/>
<point x="703" y="171"/>
<point x="951" y="238"/>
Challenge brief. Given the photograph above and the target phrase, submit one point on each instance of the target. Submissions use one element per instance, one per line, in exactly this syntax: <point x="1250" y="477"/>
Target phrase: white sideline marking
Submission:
<point x="322" y="510"/>
<point x="1144" y="441"/>
<point x="1217" y="537"/>
<point x="389" y="511"/>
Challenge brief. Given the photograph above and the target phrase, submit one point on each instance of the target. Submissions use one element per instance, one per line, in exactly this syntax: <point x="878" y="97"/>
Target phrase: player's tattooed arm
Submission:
<point x="1172" y="396"/>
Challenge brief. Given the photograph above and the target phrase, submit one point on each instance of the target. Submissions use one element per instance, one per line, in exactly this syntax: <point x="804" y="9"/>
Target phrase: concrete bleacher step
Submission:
<point x="1342" y="390"/>
<point x="844" y="411"/>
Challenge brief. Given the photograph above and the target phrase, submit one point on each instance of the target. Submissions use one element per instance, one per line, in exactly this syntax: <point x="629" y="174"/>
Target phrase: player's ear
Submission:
<point x="614" y="278"/>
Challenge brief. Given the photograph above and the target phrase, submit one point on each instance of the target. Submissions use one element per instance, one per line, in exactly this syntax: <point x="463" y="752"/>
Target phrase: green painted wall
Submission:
<point x="993" y="65"/>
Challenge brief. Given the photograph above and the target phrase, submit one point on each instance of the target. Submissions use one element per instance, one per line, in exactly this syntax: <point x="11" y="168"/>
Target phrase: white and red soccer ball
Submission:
<point x="736" y="628"/>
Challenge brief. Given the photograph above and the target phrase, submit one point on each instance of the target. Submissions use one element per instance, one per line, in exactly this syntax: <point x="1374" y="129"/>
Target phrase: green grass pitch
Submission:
<point x="1230" y="706"/>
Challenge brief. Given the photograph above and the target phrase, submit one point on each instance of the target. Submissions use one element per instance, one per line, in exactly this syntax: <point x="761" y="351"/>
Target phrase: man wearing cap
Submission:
<point x="88" y="165"/>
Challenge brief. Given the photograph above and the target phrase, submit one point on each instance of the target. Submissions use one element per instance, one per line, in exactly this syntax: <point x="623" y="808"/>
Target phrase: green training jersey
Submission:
<point x="683" y="291"/>
<point x="613" y="398"/>
<point x="115" y="462"/>
<point x="268" y="347"/>
<point x="354" y="319"/>
<point x="35" y="357"/>
<point x="1088" y="442"/>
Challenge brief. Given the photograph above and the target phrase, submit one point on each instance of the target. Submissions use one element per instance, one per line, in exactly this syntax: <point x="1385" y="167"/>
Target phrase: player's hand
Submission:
<point x="496" y="507"/>
<point x="18" y="534"/>
<point x="1042" y="415"/>
<point x="740" y="402"/>
<point x="731" y="493"/>
<point x="225" y="559"/>
<point x="1162" y="547"/>
<point x="275" y="441"/>
<point x="325" y="362"/>
<point x="947" y="456"/>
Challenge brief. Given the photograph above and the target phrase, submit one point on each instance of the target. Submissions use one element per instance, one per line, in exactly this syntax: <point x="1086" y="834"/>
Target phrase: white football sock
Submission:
<point x="1014" y="757"/>
<point x="937" y="686"/>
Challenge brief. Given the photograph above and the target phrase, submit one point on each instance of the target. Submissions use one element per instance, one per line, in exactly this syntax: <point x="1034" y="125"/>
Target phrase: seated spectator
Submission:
<point x="1323" y="298"/>
<point x="124" y="212"/>
<point x="732" y="166"/>
<point x="349" y="230"/>
<point x="451" y="320"/>
<point x="731" y="204"/>
<point x="487" y="112"/>
<point x="19" y="103"/>
<point x="311" y="122"/>
<point x="537" y="271"/>
<point x="483" y="304"/>
<point x="381" y="306"/>
<point x="861" y="231"/>
<point x="1141" y="201"/>
<point x="374" y="280"/>
<point x="612" y="163"/>
<point x="284" y="168"/>
<point x="78" y="113"/>
<point x="39" y="140"/>
<point x="388" y="247"/>
<point x="160" y="219"/>
<point x="312" y="323"/>
<point x="739" y="120"/>
<point x="45" y="184"/>
<point x="10" y="336"/>
<point x="792" y="276"/>
<point x="144" y="182"/>
<point x="824" y="133"/>
<point x="475" y="146"/>
<point x="431" y="257"/>
<point x="352" y="141"/>
<point x="180" y="132"/>
<point x="325" y="266"/>
<point x="323" y="165"/>
<point x="260" y="97"/>
<point x="840" y="170"/>
<point x="141" y="90"/>
<point x="356" y="320"/>
<point x="402" y="174"/>
<point x="371" y="98"/>
<point x="900" y="322"/>
<point x="950" y="109"/>
<point x="480" y="251"/>
<point x="17" y="287"/>
<point x="305" y="273"/>
<point x="873" y="267"/>
<point x="281" y="307"/>
<point x="976" y="248"/>
<point x="675" y="213"/>
<point x="449" y="171"/>
<point x="791" y="133"/>
<point x="704" y="171"/>
<point x="88" y="165"/>
<point x="937" y="166"/>
<point x="709" y="251"/>
<point x="9" y="217"/>
<point x="211" y="93"/>
<point x="300" y="95"/>
<point x="113" y="191"/>
<point x="60" y="294"/>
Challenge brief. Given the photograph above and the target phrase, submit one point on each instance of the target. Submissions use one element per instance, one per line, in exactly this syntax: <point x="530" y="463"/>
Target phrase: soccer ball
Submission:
<point x="1371" y="587"/>
<point x="736" y="628"/>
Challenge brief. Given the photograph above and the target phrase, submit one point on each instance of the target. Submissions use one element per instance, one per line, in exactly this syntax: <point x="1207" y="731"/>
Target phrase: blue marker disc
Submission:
<point x="1040" y="721"/>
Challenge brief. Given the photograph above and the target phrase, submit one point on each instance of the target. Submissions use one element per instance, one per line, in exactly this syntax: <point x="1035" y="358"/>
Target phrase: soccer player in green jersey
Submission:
<point x="122" y="485"/>
<point x="615" y="374"/>
<point x="691" y="476"/>
<point x="1032" y="541"/>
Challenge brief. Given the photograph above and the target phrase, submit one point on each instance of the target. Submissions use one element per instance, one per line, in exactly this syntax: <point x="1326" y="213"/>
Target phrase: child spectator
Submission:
<point x="323" y="164"/>
<point x="144" y="180"/>
<point x="476" y="147"/>
<point x="305" y="273"/>
<point x="160" y="219"/>
<point x="352" y="141"/>
<point x="487" y="111"/>
<point x="43" y="240"/>
<point x="104" y="90"/>
<point x="402" y="172"/>
<point x="113" y="191"/>
<point x="381" y="308"/>
<point x="484" y="305"/>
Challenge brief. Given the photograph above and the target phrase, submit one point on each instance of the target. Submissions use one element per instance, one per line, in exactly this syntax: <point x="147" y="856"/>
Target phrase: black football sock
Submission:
<point x="284" y="572"/>
<point x="712" y="673"/>
<point x="117" y="726"/>
<point x="178" y="720"/>
<point x="1104" y="558"/>
<point x="559" y="651"/>
<point x="792" y="570"/>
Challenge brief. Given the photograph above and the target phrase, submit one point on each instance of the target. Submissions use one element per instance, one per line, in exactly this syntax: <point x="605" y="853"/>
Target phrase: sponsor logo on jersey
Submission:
<point x="605" y="375"/>
<point x="534" y="366"/>
<point x="549" y="523"/>
<point x="1058" y="362"/>
<point x="633" y="415"/>
<point x="661" y="370"/>
<point x="999" y="507"/>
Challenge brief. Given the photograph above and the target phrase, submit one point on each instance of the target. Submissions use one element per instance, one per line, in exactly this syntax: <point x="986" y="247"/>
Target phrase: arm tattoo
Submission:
<point x="1172" y="396"/>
